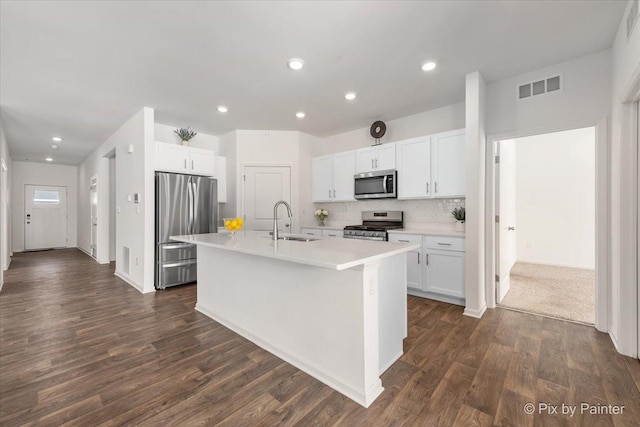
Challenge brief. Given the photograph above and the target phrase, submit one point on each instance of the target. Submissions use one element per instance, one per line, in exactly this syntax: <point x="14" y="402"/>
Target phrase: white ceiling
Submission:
<point x="81" y="69"/>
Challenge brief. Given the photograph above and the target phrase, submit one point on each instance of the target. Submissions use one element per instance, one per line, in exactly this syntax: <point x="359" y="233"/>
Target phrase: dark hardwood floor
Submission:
<point x="80" y="347"/>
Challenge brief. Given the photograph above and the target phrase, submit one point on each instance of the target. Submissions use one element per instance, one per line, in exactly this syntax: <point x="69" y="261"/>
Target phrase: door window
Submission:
<point x="46" y="197"/>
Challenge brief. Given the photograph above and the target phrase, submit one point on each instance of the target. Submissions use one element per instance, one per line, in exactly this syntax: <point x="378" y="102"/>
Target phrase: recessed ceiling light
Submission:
<point x="54" y="146"/>
<point x="49" y="159"/>
<point x="222" y="109"/>
<point x="56" y="138"/>
<point x="295" y="64"/>
<point x="300" y="115"/>
<point x="428" y="66"/>
<point x="350" y="96"/>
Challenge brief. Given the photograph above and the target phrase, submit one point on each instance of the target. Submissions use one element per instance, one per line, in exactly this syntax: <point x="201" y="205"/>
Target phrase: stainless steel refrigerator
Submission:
<point x="185" y="204"/>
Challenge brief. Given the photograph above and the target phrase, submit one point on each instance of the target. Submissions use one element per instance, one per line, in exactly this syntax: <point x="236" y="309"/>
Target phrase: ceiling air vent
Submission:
<point x="540" y="87"/>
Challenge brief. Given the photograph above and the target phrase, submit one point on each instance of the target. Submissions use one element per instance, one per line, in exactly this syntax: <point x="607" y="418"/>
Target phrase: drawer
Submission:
<point x="177" y="273"/>
<point x="172" y="252"/>
<point x="444" y="243"/>
<point x="332" y="233"/>
<point x="406" y="238"/>
<point x="311" y="231"/>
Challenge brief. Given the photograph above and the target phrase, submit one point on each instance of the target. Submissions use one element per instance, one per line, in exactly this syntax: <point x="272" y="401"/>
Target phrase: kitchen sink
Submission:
<point x="298" y="238"/>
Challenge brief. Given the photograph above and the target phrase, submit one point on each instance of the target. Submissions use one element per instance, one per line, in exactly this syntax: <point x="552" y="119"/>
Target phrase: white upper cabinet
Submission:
<point x="172" y="157"/>
<point x="343" y="172"/>
<point x="202" y="162"/>
<point x="332" y="177"/>
<point x="182" y="159"/>
<point x="414" y="169"/>
<point x="432" y="166"/>
<point x="322" y="179"/>
<point x="448" y="151"/>
<point x="379" y="157"/>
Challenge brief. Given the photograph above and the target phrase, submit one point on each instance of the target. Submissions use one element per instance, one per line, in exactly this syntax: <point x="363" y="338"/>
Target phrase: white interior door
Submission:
<point x="93" y="202"/>
<point x="45" y="222"/>
<point x="506" y="208"/>
<point x="263" y="187"/>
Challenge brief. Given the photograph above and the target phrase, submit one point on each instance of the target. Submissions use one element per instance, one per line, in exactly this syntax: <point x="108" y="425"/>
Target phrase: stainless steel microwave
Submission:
<point x="376" y="185"/>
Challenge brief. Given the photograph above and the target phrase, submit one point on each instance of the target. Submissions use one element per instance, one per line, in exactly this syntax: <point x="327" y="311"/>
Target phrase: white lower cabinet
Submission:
<point x="436" y="270"/>
<point x="414" y="260"/>
<point x="321" y="232"/>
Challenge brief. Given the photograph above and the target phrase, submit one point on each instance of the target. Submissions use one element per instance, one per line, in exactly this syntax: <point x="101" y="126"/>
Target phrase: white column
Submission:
<point x="475" y="164"/>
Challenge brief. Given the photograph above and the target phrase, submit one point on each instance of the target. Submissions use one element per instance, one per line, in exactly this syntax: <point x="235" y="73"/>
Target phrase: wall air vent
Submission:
<point x="632" y="18"/>
<point x="540" y="87"/>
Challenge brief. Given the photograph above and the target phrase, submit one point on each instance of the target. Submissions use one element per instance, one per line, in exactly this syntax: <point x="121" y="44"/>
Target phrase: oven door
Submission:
<point x="375" y="185"/>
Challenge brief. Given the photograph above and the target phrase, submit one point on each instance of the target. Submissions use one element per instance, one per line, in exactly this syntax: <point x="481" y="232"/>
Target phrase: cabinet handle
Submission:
<point x="427" y="258"/>
<point x="376" y="163"/>
<point x="427" y="188"/>
<point x="406" y="241"/>
<point x="444" y="244"/>
<point x="192" y="168"/>
<point x="185" y="163"/>
<point x="372" y="167"/>
<point x="334" y="193"/>
<point x="329" y="193"/>
<point x="435" y="186"/>
<point x="418" y="257"/>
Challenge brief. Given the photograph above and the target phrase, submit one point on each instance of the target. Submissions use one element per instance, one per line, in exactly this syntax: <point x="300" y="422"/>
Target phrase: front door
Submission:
<point x="263" y="187"/>
<point x="45" y="219"/>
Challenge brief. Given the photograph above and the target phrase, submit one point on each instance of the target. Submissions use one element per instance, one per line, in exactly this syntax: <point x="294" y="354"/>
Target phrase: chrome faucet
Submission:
<point x="275" y="217"/>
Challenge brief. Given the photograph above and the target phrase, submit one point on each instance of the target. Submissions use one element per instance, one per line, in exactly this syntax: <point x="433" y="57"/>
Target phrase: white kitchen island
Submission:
<point x="334" y="308"/>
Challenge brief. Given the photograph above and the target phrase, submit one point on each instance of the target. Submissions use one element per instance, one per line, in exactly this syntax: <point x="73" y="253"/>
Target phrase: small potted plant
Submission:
<point x="185" y="135"/>
<point x="321" y="215"/>
<point x="459" y="215"/>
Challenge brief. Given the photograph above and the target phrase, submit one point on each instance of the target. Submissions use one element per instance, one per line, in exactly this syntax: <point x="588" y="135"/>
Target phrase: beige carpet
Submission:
<point x="565" y="293"/>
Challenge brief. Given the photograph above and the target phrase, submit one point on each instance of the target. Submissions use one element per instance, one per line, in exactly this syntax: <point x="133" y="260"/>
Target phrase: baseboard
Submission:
<point x="383" y="369"/>
<point x="363" y="399"/>
<point x="436" y="297"/>
<point x="128" y="280"/>
<point x="551" y="264"/>
<point x="85" y="252"/>
<point x="475" y="313"/>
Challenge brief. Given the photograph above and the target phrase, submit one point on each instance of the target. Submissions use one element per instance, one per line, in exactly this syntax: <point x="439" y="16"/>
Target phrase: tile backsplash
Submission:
<point x="416" y="212"/>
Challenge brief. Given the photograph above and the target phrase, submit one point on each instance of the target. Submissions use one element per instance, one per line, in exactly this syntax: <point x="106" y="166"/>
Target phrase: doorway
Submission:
<point x="263" y="187"/>
<point x="45" y="217"/>
<point x="545" y="224"/>
<point x="93" y="203"/>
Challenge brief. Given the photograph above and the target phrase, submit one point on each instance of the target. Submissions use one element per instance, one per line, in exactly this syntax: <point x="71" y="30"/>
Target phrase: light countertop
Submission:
<point x="336" y="254"/>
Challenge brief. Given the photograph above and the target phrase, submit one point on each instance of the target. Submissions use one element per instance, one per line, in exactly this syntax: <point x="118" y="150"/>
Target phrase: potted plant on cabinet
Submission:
<point x="185" y="135"/>
<point x="459" y="215"/>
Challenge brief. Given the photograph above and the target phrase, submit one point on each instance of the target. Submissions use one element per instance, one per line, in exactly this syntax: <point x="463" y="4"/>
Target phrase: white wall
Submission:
<point x="555" y="198"/>
<point x="623" y="297"/>
<point x="586" y="96"/>
<point x="227" y="148"/>
<point x="30" y="173"/>
<point x="164" y="133"/>
<point x="429" y="122"/>
<point x="5" y="204"/>
<point x="135" y="222"/>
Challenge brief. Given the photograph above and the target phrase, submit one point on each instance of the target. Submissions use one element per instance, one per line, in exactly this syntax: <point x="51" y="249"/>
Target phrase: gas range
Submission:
<point x="375" y="225"/>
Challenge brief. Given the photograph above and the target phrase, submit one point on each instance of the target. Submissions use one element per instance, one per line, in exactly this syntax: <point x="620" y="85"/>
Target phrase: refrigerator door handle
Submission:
<point x="190" y="209"/>
<point x="194" y="219"/>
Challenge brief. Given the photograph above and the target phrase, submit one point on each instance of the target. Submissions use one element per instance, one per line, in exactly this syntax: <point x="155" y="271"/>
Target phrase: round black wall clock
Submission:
<point x="378" y="129"/>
